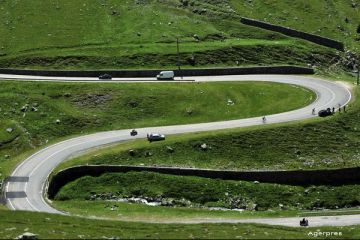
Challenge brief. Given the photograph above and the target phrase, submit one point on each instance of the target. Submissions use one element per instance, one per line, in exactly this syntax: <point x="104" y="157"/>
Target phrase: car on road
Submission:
<point x="165" y="75"/>
<point x="105" y="77"/>
<point x="133" y="132"/>
<point x="325" y="112"/>
<point x="152" y="137"/>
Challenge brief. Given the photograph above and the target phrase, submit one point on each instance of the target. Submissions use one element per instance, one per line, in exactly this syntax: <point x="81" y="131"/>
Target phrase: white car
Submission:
<point x="166" y="75"/>
<point x="155" y="137"/>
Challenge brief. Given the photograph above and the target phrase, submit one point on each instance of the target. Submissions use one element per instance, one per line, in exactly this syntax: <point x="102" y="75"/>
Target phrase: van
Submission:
<point x="166" y="75"/>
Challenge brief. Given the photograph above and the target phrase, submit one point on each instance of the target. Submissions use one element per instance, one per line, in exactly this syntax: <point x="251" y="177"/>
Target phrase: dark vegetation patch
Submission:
<point x="168" y="190"/>
<point x="92" y="100"/>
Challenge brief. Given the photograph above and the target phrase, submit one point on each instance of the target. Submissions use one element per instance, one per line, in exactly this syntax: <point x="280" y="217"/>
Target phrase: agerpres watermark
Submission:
<point x="324" y="234"/>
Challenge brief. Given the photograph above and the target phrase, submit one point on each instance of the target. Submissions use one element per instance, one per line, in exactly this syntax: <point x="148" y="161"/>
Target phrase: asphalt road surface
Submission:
<point x="25" y="190"/>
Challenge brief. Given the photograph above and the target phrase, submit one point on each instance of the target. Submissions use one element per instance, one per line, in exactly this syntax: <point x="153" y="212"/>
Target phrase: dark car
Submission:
<point x="155" y="137"/>
<point x="133" y="132"/>
<point x="325" y="112"/>
<point x="105" y="77"/>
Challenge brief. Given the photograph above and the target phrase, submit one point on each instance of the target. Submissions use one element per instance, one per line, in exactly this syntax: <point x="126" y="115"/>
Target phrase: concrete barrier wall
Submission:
<point x="301" y="177"/>
<point x="327" y="42"/>
<point x="153" y="73"/>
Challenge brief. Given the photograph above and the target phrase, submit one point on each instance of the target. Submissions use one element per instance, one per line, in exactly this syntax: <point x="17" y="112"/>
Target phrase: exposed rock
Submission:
<point x="132" y="152"/>
<point x="191" y="60"/>
<point x="133" y="104"/>
<point x="58" y="121"/>
<point x="252" y="207"/>
<point x="24" y="108"/>
<point x="27" y="235"/>
<point x="230" y="102"/>
<point x="169" y="149"/>
<point x="169" y="202"/>
<point x="204" y="147"/>
<point x="9" y="130"/>
<point x="184" y="3"/>
<point x="7" y="156"/>
<point x="148" y="154"/>
<point x="92" y="99"/>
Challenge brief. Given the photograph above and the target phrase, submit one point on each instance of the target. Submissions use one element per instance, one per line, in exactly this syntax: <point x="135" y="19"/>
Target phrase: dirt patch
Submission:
<point x="92" y="100"/>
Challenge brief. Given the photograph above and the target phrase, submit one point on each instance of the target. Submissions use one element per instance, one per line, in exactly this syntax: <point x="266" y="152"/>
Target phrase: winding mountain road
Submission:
<point x="25" y="188"/>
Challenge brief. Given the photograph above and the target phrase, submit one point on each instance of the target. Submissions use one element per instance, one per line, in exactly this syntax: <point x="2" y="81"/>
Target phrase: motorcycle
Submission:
<point x="304" y="222"/>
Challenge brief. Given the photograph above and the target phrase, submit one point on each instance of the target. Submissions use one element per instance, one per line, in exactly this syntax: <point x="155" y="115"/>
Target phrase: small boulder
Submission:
<point x="9" y="130"/>
<point x="27" y="235"/>
<point x="148" y="154"/>
<point x="132" y="152"/>
<point x="58" y="121"/>
<point x="24" y="108"/>
<point x="196" y="37"/>
<point x="169" y="149"/>
<point x="204" y="147"/>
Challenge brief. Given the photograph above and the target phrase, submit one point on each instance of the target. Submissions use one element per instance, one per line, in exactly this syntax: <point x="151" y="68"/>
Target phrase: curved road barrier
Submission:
<point x="26" y="186"/>
<point x="296" y="177"/>
<point x="12" y="73"/>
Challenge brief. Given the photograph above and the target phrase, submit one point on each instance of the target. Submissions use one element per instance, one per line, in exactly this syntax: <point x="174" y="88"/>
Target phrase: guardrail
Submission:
<point x="153" y="73"/>
<point x="296" y="177"/>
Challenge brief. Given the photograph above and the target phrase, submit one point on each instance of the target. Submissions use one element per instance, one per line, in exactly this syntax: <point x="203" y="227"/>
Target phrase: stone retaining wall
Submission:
<point x="327" y="42"/>
<point x="299" y="177"/>
<point x="153" y="73"/>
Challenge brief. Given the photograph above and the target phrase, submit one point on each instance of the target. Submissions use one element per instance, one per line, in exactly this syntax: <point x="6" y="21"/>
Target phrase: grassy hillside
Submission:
<point x="33" y="114"/>
<point x="141" y="34"/>
<point x="332" y="143"/>
<point x="338" y="19"/>
<point x="12" y="224"/>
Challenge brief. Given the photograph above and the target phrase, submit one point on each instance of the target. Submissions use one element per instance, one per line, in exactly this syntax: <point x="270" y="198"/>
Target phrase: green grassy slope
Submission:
<point x="333" y="18"/>
<point x="106" y="34"/>
<point x="199" y="192"/>
<point x="85" y="108"/>
<point x="12" y="224"/>
<point x="332" y="143"/>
